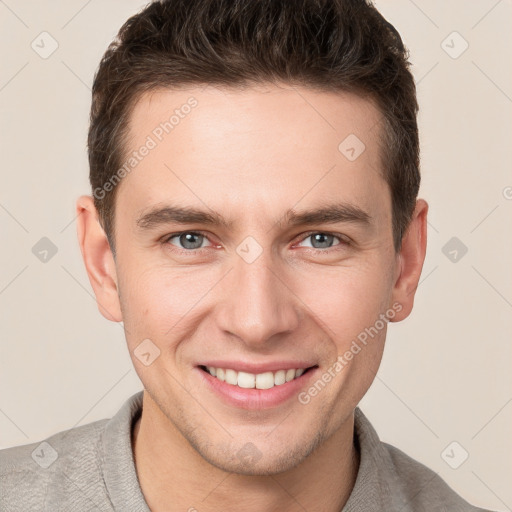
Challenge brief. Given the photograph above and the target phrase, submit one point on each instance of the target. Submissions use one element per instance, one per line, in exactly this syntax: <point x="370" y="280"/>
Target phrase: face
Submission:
<point x="252" y="239"/>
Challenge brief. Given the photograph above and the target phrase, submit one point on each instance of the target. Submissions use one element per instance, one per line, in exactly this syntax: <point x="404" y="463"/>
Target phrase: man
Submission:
<point x="254" y="224"/>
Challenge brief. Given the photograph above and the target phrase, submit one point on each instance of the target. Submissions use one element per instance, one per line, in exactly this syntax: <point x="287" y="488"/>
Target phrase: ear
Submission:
<point x="98" y="259"/>
<point x="410" y="261"/>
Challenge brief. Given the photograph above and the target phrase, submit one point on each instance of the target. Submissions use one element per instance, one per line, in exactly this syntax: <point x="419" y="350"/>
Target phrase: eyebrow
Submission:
<point x="180" y="215"/>
<point x="329" y="214"/>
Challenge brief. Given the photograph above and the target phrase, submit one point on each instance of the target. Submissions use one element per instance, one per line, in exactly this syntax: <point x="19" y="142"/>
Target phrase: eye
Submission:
<point x="324" y="241"/>
<point x="188" y="240"/>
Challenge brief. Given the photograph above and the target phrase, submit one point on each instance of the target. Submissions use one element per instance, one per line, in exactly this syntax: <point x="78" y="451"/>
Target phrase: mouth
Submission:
<point x="261" y="381"/>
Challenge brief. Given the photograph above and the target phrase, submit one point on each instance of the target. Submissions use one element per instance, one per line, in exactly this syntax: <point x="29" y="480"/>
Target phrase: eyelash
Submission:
<point x="344" y="241"/>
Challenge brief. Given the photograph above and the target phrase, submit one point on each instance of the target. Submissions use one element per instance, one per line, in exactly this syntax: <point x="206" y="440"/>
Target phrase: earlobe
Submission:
<point x="98" y="259"/>
<point x="410" y="261"/>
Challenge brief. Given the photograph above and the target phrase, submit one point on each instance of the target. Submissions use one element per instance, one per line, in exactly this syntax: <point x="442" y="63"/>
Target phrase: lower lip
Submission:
<point x="256" y="398"/>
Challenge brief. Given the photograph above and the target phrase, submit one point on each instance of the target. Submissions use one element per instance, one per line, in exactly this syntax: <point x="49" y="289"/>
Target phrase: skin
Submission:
<point x="251" y="155"/>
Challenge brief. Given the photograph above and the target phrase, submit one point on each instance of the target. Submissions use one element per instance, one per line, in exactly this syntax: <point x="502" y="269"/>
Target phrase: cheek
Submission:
<point x="158" y="302"/>
<point x="345" y="299"/>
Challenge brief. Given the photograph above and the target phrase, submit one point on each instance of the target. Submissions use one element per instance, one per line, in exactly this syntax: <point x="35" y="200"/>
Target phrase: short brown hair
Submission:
<point x="328" y="45"/>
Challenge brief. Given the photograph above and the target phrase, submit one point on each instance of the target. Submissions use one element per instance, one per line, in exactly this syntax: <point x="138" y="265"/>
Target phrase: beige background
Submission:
<point x="446" y="372"/>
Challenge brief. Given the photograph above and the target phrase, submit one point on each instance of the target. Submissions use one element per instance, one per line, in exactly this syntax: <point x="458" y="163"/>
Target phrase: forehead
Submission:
<point x="256" y="149"/>
<point x="302" y="113"/>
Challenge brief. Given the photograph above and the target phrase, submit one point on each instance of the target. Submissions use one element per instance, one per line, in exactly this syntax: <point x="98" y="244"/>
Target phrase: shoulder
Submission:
<point x="420" y="487"/>
<point x="389" y="479"/>
<point x="69" y="461"/>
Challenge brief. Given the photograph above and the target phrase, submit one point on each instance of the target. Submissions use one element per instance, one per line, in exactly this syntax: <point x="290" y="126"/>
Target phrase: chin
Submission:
<point x="248" y="459"/>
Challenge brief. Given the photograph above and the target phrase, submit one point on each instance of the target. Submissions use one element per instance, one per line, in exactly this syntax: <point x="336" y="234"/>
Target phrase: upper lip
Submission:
<point x="271" y="366"/>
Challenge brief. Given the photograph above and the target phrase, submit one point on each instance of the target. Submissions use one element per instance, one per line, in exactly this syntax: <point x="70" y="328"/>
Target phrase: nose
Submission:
<point x="258" y="303"/>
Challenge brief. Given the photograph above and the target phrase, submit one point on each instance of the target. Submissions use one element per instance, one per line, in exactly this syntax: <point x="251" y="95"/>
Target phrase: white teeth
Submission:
<point x="280" y="377"/>
<point x="247" y="380"/>
<point x="290" y="375"/>
<point x="265" y="380"/>
<point x="231" y="377"/>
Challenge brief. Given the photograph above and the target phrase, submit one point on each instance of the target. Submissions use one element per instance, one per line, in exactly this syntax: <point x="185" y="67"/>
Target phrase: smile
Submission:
<point x="256" y="386"/>
<point x="265" y="380"/>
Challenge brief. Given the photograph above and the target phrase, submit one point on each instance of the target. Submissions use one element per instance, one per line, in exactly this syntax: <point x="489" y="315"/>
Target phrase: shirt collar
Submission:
<point x="370" y="491"/>
<point x="118" y="465"/>
<point x="368" y="494"/>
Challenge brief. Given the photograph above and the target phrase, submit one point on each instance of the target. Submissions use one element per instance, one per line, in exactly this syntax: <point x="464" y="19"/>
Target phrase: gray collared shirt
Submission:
<point x="91" y="468"/>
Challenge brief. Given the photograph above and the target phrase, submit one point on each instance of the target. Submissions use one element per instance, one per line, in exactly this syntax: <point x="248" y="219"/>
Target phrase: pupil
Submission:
<point x="321" y="235"/>
<point x="187" y="240"/>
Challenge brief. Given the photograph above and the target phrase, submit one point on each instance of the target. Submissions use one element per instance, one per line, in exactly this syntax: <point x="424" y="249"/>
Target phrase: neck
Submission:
<point x="174" y="477"/>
